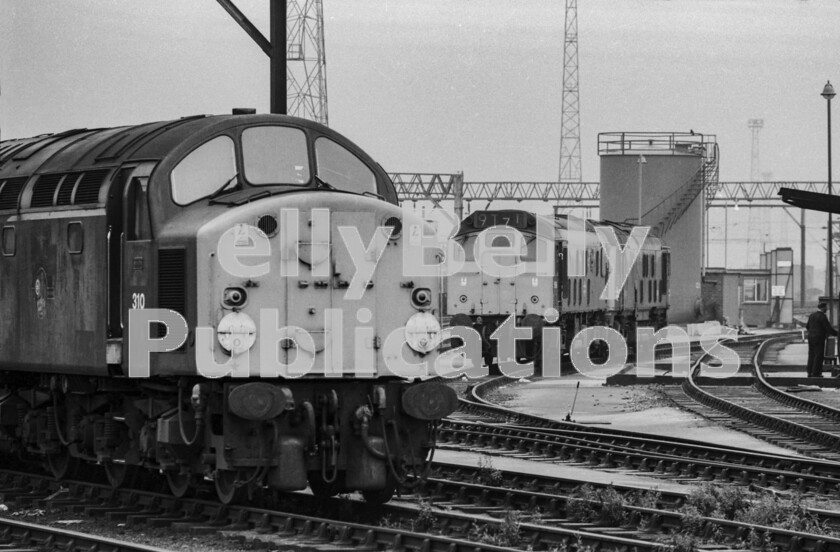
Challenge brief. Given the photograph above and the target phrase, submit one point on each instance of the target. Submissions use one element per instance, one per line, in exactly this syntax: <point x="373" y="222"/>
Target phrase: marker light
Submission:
<point x="234" y="297"/>
<point x="236" y="332"/>
<point x="422" y="332"/>
<point x="421" y="298"/>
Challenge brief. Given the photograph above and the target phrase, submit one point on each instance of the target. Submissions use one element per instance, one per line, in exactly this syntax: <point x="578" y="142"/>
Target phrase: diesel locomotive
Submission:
<point x="235" y="242"/>
<point x="570" y="291"/>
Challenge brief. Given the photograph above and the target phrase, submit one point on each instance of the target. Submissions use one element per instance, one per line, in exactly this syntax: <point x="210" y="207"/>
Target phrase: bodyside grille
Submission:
<point x="65" y="192"/>
<point x="10" y="192"/>
<point x="172" y="293"/>
<point x="44" y="190"/>
<point x="88" y="189"/>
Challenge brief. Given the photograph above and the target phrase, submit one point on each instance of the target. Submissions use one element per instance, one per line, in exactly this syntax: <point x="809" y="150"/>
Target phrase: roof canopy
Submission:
<point x="811" y="201"/>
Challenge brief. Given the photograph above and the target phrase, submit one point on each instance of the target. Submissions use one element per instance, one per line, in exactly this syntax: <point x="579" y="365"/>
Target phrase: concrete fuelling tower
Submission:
<point x="663" y="180"/>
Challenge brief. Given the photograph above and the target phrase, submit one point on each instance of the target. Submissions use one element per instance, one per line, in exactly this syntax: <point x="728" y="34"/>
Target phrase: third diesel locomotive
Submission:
<point x="483" y="301"/>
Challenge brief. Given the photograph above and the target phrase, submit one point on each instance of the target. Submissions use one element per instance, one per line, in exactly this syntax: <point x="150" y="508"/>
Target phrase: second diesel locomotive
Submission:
<point x="483" y="301"/>
<point x="99" y="226"/>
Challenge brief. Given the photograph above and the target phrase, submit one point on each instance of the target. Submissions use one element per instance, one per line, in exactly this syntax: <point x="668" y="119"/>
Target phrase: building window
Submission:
<point x="755" y="290"/>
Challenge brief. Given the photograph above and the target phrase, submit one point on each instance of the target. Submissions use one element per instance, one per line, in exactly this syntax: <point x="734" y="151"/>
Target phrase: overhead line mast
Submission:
<point x="307" y="71"/>
<point x="296" y="52"/>
<point x="755" y="126"/>
<point x="570" y="166"/>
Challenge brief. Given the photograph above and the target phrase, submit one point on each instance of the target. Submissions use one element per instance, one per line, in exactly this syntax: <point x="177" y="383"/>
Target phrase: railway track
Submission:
<point x="19" y="536"/>
<point x="454" y="474"/>
<point x="658" y="517"/>
<point x="684" y="462"/>
<point x="458" y="511"/>
<point x="493" y="429"/>
<point x="355" y="525"/>
<point x="810" y="427"/>
<point x="483" y="427"/>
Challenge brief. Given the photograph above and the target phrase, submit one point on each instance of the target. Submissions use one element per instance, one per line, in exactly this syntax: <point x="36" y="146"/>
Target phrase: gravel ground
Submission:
<point x="632" y="398"/>
<point x="638" y="408"/>
<point x="636" y="398"/>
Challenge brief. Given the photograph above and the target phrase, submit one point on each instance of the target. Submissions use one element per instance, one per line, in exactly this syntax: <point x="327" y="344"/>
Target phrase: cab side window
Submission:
<point x="137" y="220"/>
<point x="204" y="170"/>
<point x="339" y="168"/>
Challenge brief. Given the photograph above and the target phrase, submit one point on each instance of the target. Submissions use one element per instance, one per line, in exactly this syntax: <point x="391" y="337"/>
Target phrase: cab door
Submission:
<point x="308" y="294"/>
<point x="464" y="290"/>
<point x="498" y="292"/>
<point x="138" y="262"/>
<point x="360" y="311"/>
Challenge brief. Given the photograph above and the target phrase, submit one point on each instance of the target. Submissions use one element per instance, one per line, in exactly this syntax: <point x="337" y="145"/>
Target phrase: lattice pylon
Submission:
<point x="570" y="166"/>
<point x="755" y="125"/>
<point x="306" y="70"/>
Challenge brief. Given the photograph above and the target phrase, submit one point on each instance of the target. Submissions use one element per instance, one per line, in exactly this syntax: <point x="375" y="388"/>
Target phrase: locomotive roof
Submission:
<point x="84" y="149"/>
<point x="525" y="221"/>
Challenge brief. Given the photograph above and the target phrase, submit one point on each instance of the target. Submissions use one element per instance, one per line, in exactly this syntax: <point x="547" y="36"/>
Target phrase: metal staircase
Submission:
<point x="667" y="212"/>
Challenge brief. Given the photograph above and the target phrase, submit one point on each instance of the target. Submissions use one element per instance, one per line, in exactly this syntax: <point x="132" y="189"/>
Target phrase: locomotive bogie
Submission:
<point x="326" y="431"/>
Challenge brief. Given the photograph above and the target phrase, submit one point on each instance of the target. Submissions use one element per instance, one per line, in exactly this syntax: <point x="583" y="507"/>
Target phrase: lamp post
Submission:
<point x="641" y="162"/>
<point x="828" y="93"/>
<point x="726" y="236"/>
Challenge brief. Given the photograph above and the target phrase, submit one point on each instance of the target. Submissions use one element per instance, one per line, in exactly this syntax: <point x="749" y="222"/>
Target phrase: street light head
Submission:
<point x="828" y="91"/>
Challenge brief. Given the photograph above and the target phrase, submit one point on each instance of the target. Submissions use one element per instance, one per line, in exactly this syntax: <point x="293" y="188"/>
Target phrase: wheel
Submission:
<point x="180" y="484"/>
<point x="61" y="465"/>
<point x="12" y="462"/>
<point x="380" y="496"/>
<point x="492" y="367"/>
<point x="119" y="475"/>
<point x="531" y="351"/>
<point x="321" y="488"/>
<point x="383" y="495"/>
<point x="536" y="358"/>
<point x="226" y="489"/>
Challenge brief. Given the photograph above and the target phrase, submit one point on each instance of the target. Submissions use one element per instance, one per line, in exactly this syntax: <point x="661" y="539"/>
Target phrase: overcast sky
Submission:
<point x="443" y="86"/>
<point x="458" y="85"/>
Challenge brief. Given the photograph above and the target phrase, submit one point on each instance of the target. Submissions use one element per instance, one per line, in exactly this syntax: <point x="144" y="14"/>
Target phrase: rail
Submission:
<point x="22" y="536"/>
<point x="692" y="389"/>
<point x="789" y="399"/>
<point x="276" y="529"/>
